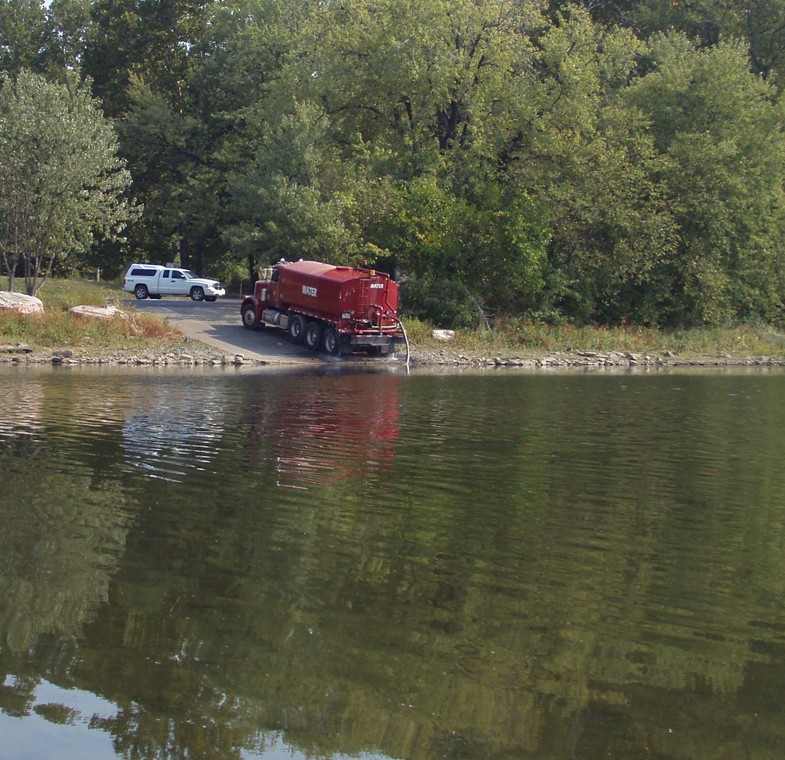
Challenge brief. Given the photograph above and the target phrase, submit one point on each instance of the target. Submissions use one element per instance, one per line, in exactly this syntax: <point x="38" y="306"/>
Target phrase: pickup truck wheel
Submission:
<point x="141" y="292"/>
<point x="197" y="294"/>
<point x="297" y="328"/>
<point x="248" y="314"/>
<point x="313" y="335"/>
<point x="331" y="340"/>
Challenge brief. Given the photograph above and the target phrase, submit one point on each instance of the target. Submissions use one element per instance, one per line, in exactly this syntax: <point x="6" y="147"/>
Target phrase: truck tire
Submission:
<point x="313" y="335"/>
<point x="297" y="328"/>
<point x="197" y="294"/>
<point x="330" y="341"/>
<point x="141" y="292"/>
<point x="248" y="314"/>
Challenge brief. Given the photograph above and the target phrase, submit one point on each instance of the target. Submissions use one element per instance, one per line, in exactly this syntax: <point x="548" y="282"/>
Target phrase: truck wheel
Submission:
<point x="331" y="340"/>
<point x="297" y="328"/>
<point x="141" y="292"/>
<point x="197" y="294"/>
<point x="248" y="314"/>
<point x="313" y="335"/>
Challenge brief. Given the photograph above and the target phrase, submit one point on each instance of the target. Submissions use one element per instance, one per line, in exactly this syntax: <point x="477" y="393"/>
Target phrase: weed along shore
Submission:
<point x="178" y="333"/>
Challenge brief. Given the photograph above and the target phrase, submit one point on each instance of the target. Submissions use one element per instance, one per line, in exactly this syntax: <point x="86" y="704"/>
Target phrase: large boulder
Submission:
<point x="95" y="312"/>
<point x="21" y="303"/>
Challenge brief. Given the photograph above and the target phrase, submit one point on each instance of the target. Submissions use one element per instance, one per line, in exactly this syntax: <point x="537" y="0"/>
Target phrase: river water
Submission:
<point x="381" y="565"/>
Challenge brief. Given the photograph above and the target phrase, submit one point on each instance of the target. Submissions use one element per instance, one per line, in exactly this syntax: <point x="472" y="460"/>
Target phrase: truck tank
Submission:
<point x="338" y="292"/>
<point x="337" y="308"/>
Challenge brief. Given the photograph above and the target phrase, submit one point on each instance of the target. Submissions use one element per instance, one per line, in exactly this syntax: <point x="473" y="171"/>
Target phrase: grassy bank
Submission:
<point x="57" y="328"/>
<point x="133" y="332"/>
<point x="517" y="337"/>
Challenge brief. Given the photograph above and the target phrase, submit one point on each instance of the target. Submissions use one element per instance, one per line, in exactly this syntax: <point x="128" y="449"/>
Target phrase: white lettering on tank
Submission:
<point x="309" y="291"/>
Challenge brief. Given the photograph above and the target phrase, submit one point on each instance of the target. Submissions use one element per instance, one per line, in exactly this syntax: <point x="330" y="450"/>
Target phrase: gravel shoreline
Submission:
<point x="189" y="354"/>
<point x="195" y="354"/>
<point x="594" y="359"/>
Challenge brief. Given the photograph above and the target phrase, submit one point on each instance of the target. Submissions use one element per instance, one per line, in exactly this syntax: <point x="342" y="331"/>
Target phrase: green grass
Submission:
<point x="62" y="294"/>
<point x="57" y="328"/>
<point x="517" y="337"/>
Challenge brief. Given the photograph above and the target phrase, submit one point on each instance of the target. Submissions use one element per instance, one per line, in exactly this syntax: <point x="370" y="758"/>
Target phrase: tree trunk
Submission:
<point x="252" y="274"/>
<point x="185" y="247"/>
<point x="10" y="268"/>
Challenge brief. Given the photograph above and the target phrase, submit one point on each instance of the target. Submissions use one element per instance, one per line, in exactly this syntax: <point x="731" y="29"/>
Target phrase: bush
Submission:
<point x="444" y="303"/>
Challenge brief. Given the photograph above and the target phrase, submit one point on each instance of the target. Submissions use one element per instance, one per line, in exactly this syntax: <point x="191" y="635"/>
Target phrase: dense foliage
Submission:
<point x="601" y="162"/>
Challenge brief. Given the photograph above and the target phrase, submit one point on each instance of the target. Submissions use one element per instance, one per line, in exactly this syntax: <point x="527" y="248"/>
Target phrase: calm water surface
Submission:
<point x="389" y="566"/>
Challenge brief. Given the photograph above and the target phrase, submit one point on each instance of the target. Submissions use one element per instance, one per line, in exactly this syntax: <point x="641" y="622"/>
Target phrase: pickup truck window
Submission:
<point x="165" y="273"/>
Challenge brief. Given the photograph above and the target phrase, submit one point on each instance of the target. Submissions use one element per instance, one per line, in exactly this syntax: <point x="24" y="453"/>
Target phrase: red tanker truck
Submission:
<point x="337" y="309"/>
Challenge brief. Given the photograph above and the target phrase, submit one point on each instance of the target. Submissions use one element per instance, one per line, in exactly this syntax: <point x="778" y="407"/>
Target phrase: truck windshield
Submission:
<point x="188" y="274"/>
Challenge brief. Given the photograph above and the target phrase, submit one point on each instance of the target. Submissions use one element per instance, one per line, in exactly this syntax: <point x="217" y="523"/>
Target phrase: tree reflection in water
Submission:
<point x="413" y="567"/>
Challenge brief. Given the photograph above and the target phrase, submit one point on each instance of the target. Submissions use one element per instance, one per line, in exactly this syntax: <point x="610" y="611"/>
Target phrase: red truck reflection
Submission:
<point x="329" y="429"/>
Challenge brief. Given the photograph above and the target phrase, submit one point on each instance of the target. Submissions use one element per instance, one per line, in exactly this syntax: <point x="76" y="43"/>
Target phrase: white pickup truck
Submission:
<point x="154" y="281"/>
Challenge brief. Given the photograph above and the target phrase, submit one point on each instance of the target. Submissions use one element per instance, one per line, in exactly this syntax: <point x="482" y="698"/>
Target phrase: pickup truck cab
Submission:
<point x="154" y="281"/>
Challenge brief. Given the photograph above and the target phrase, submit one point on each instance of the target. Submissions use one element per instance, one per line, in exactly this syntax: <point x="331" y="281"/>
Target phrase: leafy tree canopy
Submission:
<point x="63" y="183"/>
<point x="595" y="161"/>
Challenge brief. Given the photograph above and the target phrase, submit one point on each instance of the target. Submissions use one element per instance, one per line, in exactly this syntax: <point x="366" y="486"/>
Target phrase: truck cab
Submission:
<point x="174" y="282"/>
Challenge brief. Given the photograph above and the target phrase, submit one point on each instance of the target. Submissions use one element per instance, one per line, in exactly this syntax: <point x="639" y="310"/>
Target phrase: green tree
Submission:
<point x="585" y="156"/>
<point x="402" y="109"/>
<point x="759" y="23"/>
<point x="284" y="199"/>
<point x="704" y="20"/>
<point x="140" y="58"/>
<point x="69" y="25"/>
<point x="130" y="39"/>
<point x="719" y="131"/>
<point x="421" y="87"/>
<point x="765" y="27"/>
<point x="63" y="184"/>
<point x="48" y="39"/>
<point x="165" y="149"/>
<point x="184" y="80"/>
<point x="525" y="155"/>
<point x="24" y="34"/>
<point x="275" y="169"/>
<point x="464" y="255"/>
